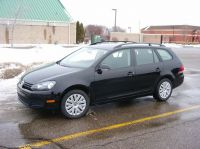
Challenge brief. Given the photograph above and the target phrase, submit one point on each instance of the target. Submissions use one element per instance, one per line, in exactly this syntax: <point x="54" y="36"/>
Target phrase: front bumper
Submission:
<point x="37" y="99"/>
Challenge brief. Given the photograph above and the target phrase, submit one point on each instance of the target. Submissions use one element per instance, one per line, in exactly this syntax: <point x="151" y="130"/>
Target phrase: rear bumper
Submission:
<point x="37" y="99"/>
<point x="179" y="80"/>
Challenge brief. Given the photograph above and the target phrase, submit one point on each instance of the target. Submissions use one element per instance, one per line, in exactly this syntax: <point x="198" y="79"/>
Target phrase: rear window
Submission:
<point x="164" y="54"/>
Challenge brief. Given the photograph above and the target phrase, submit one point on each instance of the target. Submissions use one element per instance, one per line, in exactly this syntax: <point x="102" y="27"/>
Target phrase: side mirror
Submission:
<point x="105" y="67"/>
<point x="101" y="68"/>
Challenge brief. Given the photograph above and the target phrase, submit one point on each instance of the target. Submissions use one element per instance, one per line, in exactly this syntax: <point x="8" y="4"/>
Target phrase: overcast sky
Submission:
<point x="131" y="12"/>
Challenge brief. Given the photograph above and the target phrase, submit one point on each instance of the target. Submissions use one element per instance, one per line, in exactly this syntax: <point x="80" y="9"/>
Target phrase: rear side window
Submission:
<point x="144" y="56"/>
<point x="164" y="54"/>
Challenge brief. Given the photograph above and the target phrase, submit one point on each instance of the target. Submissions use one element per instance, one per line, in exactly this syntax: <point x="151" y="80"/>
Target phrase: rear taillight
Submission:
<point x="181" y="69"/>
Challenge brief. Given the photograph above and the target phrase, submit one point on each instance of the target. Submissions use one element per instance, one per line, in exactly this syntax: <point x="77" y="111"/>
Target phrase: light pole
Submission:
<point x="115" y="25"/>
<point x="129" y="29"/>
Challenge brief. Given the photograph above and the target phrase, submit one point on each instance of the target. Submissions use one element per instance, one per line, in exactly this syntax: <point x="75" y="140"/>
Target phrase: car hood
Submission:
<point x="48" y="72"/>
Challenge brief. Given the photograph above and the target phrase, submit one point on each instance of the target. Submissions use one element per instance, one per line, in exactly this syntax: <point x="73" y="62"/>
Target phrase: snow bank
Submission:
<point x="193" y="46"/>
<point x="39" y="53"/>
<point x="173" y="45"/>
<point x="8" y="87"/>
<point x="35" y="45"/>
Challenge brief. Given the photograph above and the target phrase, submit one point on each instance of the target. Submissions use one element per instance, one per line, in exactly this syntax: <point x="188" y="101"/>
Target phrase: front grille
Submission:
<point x="27" y="86"/>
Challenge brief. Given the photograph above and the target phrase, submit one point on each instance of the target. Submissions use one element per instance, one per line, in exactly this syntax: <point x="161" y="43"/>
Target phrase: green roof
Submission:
<point x="34" y="10"/>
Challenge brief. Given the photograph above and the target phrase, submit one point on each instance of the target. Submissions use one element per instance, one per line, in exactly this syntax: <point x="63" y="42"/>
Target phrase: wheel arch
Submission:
<point x="76" y="87"/>
<point x="167" y="77"/>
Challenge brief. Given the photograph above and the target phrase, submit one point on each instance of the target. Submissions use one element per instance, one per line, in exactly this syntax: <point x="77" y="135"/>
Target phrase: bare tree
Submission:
<point x="97" y="30"/>
<point x="118" y="29"/>
<point x="17" y="14"/>
<point x="93" y="30"/>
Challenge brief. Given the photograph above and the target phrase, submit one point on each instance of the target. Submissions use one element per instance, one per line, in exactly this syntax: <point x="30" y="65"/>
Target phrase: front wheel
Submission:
<point x="75" y="104"/>
<point x="163" y="90"/>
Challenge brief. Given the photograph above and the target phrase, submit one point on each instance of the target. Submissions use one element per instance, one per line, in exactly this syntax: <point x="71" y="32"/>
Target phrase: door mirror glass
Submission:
<point x="101" y="68"/>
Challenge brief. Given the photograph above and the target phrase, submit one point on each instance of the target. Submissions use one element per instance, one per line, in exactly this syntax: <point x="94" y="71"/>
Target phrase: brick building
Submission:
<point x="35" y="21"/>
<point x="175" y="33"/>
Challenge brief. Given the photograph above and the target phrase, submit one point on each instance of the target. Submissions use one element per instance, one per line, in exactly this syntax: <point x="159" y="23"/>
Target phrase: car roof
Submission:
<point x="106" y="46"/>
<point x="112" y="45"/>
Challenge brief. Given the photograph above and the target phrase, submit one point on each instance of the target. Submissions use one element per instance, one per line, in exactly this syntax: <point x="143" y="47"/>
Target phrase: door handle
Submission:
<point x="158" y="70"/>
<point x="130" y="74"/>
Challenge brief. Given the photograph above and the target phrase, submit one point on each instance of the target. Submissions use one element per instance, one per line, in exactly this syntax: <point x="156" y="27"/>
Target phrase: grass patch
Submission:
<point x="11" y="73"/>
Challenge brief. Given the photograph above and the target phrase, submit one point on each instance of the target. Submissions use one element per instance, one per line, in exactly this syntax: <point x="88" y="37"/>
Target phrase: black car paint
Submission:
<point x="133" y="81"/>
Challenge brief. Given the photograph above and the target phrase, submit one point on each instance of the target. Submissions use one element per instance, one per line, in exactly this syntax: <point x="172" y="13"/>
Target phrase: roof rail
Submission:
<point x="112" y="42"/>
<point x="148" y="44"/>
<point x="156" y="44"/>
<point x="124" y="43"/>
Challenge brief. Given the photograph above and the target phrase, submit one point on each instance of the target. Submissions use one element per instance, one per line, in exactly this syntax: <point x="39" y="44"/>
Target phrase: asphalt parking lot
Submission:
<point x="136" y="123"/>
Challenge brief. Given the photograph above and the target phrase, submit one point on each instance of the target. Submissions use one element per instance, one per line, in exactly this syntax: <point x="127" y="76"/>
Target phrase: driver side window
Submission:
<point x="118" y="59"/>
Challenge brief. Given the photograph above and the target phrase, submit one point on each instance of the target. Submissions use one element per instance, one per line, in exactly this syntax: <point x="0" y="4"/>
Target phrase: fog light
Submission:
<point x="51" y="101"/>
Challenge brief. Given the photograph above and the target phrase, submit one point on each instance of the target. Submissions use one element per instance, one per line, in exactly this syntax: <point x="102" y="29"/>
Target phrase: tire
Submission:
<point x="163" y="90"/>
<point x="75" y="104"/>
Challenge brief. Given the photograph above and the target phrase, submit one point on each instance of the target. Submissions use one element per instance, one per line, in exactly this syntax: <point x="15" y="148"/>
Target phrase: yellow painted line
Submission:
<point x="107" y="128"/>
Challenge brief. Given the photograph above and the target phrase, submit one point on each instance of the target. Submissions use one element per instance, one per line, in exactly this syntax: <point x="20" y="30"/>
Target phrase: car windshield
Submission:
<point x="83" y="58"/>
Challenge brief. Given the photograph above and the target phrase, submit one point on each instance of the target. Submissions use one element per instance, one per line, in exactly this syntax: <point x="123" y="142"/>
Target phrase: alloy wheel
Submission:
<point x="165" y="90"/>
<point x="75" y="104"/>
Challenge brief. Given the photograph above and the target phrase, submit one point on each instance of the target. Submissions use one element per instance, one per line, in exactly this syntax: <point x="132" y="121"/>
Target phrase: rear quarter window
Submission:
<point x="164" y="54"/>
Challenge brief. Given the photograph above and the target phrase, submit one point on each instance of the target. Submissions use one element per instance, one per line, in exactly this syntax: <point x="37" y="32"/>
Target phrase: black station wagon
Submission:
<point x="100" y="73"/>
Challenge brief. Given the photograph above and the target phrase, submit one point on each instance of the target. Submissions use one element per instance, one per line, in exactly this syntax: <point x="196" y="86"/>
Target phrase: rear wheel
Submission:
<point x="163" y="90"/>
<point x="75" y="104"/>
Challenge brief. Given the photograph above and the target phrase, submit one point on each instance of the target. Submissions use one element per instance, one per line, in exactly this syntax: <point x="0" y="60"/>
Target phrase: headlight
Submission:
<point x="44" y="86"/>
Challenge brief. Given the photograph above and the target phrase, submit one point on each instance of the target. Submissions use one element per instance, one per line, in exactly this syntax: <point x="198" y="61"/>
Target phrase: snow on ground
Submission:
<point x="39" y="53"/>
<point x="8" y="87"/>
<point x="174" y="45"/>
<point x="193" y="46"/>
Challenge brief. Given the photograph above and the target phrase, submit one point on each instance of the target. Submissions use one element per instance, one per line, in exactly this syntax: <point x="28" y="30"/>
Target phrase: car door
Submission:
<point x="147" y="69"/>
<point x="115" y="76"/>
